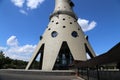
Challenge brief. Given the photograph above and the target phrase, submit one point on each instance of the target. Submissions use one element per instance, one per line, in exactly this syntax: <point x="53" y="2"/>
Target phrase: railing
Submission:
<point x="99" y="74"/>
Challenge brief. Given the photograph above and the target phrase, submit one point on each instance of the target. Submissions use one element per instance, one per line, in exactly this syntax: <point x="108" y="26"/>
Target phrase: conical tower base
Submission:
<point x="63" y="41"/>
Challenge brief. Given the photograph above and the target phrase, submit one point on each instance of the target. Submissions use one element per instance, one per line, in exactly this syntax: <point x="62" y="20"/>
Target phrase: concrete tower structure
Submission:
<point x="63" y="41"/>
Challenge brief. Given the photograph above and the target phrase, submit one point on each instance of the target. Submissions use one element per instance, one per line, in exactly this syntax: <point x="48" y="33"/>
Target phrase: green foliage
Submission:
<point x="35" y="65"/>
<point x="6" y="62"/>
<point x="2" y="59"/>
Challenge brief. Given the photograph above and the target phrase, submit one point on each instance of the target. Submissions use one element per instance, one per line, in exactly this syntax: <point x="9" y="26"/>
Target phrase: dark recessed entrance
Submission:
<point x="64" y="59"/>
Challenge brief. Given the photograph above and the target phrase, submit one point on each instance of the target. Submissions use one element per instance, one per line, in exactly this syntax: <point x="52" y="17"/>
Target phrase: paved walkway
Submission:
<point x="27" y="75"/>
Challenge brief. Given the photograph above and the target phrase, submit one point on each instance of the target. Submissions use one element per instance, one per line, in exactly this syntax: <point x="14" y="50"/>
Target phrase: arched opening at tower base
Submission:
<point x="34" y="63"/>
<point x="64" y="58"/>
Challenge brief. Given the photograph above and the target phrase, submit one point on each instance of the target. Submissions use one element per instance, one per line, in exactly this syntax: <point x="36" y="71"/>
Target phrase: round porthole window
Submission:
<point x="74" y="34"/>
<point x="54" y="34"/>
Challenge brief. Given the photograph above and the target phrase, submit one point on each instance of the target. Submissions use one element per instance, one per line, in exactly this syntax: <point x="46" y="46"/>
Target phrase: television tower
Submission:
<point x="63" y="41"/>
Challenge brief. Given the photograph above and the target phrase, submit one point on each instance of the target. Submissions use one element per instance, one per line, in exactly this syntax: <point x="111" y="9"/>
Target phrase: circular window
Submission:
<point x="49" y="29"/>
<point x="63" y="18"/>
<point x="53" y="21"/>
<point x="57" y="23"/>
<point x="75" y="21"/>
<point x="74" y="34"/>
<point x="54" y="34"/>
<point x="70" y="22"/>
<point x="64" y="26"/>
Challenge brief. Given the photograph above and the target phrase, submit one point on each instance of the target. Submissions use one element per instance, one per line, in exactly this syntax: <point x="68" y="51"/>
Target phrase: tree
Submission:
<point x="2" y="59"/>
<point x="6" y="62"/>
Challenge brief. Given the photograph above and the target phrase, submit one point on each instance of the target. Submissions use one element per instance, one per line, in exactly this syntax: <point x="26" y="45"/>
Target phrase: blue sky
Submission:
<point x="23" y="21"/>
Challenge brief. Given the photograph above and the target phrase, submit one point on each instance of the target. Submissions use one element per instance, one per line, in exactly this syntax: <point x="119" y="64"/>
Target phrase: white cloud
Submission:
<point x="86" y="25"/>
<point x="2" y="48"/>
<point x="14" y="51"/>
<point x="18" y="3"/>
<point x="23" y="12"/>
<point x="33" y="4"/>
<point x="27" y="5"/>
<point x="12" y="41"/>
<point x="20" y="52"/>
<point x="88" y="57"/>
